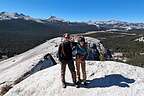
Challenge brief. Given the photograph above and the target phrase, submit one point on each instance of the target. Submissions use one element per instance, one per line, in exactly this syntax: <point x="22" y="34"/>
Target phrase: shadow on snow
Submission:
<point x="110" y="80"/>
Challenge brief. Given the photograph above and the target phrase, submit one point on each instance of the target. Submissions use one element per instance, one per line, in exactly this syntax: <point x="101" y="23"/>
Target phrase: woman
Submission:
<point x="80" y="60"/>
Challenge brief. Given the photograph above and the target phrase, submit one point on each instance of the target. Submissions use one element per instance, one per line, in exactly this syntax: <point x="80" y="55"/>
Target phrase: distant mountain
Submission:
<point x="119" y="25"/>
<point x="54" y="19"/>
<point x="12" y="16"/>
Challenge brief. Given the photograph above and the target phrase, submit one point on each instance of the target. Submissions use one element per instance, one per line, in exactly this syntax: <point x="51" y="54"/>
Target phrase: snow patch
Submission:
<point x="141" y="39"/>
<point x="106" y="78"/>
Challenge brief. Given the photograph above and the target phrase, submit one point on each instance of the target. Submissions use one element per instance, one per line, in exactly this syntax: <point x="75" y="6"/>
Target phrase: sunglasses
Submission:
<point x="67" y="37"/>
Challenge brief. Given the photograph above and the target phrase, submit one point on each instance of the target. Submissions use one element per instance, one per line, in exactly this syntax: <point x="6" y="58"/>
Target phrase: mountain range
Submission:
<point x="19" y="22"/>
<point x="54" y="22"/>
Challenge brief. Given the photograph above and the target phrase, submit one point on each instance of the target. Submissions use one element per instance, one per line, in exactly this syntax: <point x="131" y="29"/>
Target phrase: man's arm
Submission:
<point x="59" y="51"/>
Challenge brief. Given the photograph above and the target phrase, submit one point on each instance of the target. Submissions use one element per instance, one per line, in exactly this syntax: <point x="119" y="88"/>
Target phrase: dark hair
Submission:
<point x="81" y="39"/>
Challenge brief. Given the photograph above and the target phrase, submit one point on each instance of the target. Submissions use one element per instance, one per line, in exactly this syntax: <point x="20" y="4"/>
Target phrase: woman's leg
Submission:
<point x="83" y="67"/>
<point x="78" y="69"/>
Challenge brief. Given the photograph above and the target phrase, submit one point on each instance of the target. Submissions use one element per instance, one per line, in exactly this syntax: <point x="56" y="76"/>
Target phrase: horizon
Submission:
<point x="79" y="10"/>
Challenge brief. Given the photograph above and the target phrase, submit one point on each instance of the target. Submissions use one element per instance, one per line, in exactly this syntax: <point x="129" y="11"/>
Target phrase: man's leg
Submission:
<point x="72" y="70"/>
<point x="63" y="69"/>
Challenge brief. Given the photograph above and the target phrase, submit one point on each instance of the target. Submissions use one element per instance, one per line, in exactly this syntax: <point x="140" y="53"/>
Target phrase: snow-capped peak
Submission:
<point x="9" y="16"/>
<point x="14" y="15"/>
<point x="54" y="18"/>
<point x="110" y="22"/>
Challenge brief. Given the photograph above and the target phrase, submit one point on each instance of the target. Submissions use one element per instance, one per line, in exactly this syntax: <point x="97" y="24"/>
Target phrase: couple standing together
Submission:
<point x="65" y="56"/>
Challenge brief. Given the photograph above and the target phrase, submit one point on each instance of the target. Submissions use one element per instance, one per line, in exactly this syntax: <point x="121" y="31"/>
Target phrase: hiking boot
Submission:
<point x="76" y="84"/>
<point x="85" y="83"/>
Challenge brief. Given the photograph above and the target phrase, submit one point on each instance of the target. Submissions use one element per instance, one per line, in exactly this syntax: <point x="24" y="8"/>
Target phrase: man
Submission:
<point x="65" y="57"/>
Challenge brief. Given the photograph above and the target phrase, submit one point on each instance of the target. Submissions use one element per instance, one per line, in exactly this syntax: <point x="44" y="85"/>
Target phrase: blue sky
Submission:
<point x="78" y="10"/>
